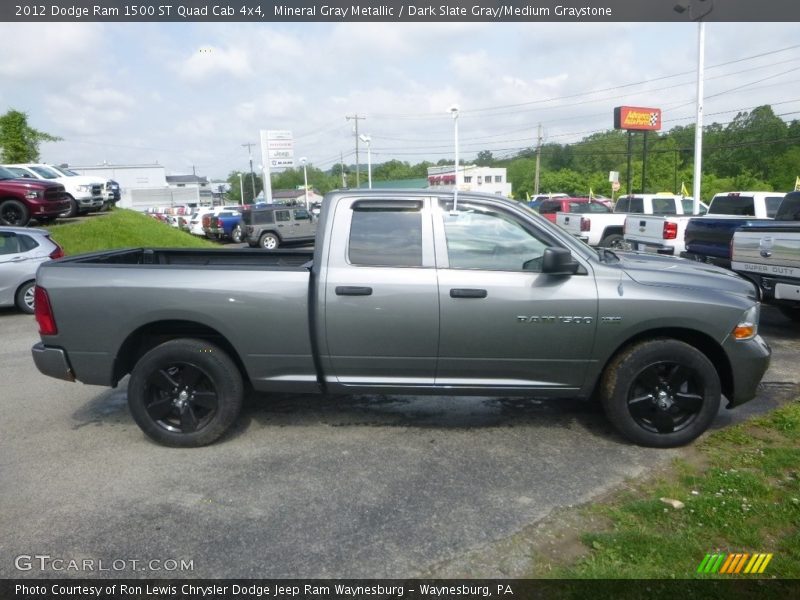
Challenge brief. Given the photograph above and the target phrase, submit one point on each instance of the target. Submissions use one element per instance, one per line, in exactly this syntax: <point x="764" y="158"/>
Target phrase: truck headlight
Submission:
<point x="84" y="188"/>
<point x="747" y="328"/>
<point x="33" y="194"/>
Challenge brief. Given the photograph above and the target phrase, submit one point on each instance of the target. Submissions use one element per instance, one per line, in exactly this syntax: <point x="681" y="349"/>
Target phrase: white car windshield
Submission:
<point x="46" y="172"/>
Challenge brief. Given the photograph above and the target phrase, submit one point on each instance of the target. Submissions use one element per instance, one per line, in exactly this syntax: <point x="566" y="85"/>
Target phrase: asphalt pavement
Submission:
<point x="305" y="486"/>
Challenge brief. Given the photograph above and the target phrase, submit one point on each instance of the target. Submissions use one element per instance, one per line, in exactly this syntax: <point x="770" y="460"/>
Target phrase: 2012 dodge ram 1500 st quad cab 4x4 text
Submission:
<point x="406" y="292"/>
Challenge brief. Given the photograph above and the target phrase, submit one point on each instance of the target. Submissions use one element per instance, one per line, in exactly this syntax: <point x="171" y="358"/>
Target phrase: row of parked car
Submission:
<point x="268" y="226"/>
<point x="42" y="192"/>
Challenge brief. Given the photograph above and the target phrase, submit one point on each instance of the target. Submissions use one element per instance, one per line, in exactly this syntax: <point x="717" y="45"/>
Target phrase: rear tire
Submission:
<point x="661" y="393"/>
<point x="236" y="235"/>
<point x="269" y="241"/>
<point x="185" y="393"/>
<point x="613" y="240"/>
<point x="24" y="297"/>
<point x="13" y="213"/>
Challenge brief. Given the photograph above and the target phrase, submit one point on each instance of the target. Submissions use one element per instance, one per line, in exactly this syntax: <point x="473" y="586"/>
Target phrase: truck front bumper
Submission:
<point x="52" y="362"/>
<point x="749" y="361"/>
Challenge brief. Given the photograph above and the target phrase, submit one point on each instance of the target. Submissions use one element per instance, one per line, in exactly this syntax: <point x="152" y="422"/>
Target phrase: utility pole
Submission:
<point x="538" y="159"/>
<point x="356" y="118"/>
<point x="341" y="162"/>
<point x="249" y="145"/>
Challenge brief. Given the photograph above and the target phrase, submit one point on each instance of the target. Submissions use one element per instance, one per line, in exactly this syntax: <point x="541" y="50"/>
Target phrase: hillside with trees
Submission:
<point x="757" y="150"/>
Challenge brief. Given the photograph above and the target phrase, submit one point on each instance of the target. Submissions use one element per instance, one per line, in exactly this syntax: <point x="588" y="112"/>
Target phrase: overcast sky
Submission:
<point x="190" y="94"/>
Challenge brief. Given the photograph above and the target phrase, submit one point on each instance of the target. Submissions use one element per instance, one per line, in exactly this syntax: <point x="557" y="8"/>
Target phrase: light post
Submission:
<point x="241" y="189"/>
<point x="453" y="110"/>
<point x="367" y="140"/>
<point x="303" y="161"/>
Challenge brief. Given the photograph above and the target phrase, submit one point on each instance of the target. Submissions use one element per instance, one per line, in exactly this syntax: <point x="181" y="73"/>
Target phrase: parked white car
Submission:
<point x="22" y="250"/>
<point x="85" y="192"/>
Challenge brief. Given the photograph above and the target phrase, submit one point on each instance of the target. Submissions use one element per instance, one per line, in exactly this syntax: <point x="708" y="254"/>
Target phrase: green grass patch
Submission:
<point x="740" y="495"/>
<point x="122" y="228"/>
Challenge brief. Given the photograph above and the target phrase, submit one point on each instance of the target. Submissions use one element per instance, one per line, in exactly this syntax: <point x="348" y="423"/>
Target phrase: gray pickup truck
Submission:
<point x="405" y="292"/>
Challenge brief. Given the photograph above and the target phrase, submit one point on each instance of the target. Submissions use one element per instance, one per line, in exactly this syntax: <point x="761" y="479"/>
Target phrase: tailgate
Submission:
<point x="571" y="222"/>
<point x="775" y="253"/>
<point x="647" y="229"/>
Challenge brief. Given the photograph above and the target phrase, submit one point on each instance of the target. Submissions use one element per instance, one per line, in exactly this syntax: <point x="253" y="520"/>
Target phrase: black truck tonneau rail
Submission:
<point x="188" y="257"/>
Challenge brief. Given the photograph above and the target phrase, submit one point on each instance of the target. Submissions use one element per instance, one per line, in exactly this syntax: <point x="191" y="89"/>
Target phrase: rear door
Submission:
<point x="381" y="303"/>
<point x="503" y="323"/>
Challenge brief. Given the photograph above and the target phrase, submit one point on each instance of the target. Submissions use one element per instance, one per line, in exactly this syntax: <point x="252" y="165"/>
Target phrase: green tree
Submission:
<point x="484" y="159"/>
<point x="19" y="142"/>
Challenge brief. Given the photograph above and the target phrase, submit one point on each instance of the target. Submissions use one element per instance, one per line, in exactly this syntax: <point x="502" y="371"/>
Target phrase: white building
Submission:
<point x="146" y="186"/>
<point x="472" y="178"/>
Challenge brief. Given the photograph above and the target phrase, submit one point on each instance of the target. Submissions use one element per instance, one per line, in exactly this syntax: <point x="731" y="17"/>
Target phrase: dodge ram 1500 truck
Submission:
<point x="405" y="292"/>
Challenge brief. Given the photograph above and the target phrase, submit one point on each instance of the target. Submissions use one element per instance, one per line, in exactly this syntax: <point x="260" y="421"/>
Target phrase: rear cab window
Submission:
<point x="386" y="234"/>
<point x="743" y="206"/>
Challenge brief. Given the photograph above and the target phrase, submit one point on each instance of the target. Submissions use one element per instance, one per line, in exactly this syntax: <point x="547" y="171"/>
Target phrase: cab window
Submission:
<point x="382" y="235"/>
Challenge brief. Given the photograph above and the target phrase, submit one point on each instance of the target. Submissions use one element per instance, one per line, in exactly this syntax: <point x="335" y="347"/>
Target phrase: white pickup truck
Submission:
<point x="607" y="229"/>
<point x="662" y="232"/>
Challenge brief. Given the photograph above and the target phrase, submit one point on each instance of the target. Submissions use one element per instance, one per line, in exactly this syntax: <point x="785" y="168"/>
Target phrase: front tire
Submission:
<point x="13" y="213"/>
<point x="73" y="208"/>
<point x="24" y="297"/>
<point x="185" y="393"/>
<point x="790" y="311"/>
<point x="269" y="241"/>
<point x="661" y="393"/>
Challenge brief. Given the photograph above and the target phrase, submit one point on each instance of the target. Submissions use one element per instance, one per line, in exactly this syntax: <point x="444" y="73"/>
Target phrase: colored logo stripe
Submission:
<point x="732" y="564"/>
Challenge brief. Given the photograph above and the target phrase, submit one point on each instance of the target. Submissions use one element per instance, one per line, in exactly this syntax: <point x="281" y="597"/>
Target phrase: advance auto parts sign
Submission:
<point x="637" y="117"/>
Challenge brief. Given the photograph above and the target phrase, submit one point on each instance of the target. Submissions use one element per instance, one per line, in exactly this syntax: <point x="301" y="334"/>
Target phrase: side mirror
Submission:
<point x="559" y="261"/>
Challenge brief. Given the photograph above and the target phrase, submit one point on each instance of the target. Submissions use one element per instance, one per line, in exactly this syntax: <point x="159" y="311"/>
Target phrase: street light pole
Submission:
<point x="367" y="140"/>
<point x="303" y="161"/>
<point x="241" y="189"/>
<point x="454" y="111"/>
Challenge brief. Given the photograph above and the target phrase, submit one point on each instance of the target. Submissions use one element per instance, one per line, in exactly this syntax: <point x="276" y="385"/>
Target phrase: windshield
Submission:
<point x="6" y="174"/>
<point x="64" y="171"/>
<point x="46" y="172"/>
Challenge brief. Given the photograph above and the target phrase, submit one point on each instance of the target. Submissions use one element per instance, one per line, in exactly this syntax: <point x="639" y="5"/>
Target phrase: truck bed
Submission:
<point x="187" y="257"/>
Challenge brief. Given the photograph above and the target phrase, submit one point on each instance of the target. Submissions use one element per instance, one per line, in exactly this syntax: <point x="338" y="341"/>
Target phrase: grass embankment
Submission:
<point x="122" y="228"/>
<point x="741" y="494"/>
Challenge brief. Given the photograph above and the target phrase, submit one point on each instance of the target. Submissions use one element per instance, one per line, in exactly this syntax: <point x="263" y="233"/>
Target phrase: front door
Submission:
<point x="504" y="324"/>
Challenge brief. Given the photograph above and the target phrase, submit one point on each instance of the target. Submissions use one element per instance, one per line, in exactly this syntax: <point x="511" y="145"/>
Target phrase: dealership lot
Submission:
<point x="306" y="486"/>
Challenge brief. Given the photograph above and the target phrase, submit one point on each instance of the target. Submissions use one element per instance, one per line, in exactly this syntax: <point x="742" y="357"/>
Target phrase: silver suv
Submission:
<point x="22" y="250"/>
<point x="278" y="225"/>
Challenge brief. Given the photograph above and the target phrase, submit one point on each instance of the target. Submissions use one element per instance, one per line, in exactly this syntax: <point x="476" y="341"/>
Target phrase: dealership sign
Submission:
<point x="637" y="118"/>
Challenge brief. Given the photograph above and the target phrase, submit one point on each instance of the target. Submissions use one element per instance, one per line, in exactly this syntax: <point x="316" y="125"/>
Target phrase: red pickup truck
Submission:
<point x="24" y="199"/>
<point x="549" y="208"/>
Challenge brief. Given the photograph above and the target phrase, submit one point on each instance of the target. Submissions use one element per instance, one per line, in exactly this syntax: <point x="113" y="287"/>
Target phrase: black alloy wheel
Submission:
<point x="13" y="213"/>
<point x="185" y="393"/>
<point x="661" y="393"/>
<point x="181" y="398"/>
<point x="665" y="397"/>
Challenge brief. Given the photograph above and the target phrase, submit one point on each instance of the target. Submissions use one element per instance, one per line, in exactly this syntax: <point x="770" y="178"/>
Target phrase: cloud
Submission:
<point x="209" y="61"/>
<point x="90" y="108"/>
<point x="55" y="51"/>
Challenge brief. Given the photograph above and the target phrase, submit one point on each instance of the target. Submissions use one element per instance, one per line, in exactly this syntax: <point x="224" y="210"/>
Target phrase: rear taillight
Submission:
<point x="43" y="312"/>
<point x="219" y="223"/>
<point x="670" y="230"/>
<point x="586" y="224"/>
<point x="57" y="253"/>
